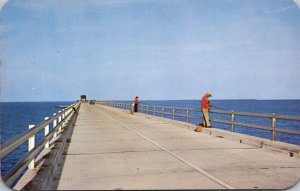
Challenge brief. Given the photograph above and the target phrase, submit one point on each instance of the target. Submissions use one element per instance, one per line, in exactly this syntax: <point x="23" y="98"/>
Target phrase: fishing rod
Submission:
<point x="142" y="103"/>
<point x="219" y="108"/>
<point x="216" y="107"/>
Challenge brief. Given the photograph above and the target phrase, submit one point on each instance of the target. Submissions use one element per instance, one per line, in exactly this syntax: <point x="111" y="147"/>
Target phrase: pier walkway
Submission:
<point x="112" y="149"/>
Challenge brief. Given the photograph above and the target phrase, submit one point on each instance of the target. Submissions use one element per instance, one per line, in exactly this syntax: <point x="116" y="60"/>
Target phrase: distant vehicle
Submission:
<point x="83" y="98"/>
<point x="92" y="102"/>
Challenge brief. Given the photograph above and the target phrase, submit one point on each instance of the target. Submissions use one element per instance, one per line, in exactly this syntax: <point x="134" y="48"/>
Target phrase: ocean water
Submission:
<point x="16" y="116"/>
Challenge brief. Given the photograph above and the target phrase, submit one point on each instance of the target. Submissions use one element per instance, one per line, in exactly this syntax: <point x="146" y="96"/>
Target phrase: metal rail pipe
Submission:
<point x="256" y="126"/>
<point x="283" y="117"/>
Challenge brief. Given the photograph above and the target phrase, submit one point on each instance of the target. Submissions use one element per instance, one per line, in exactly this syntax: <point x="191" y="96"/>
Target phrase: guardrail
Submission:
<point x="59" y="120"/>
<point x="189" y="113"/>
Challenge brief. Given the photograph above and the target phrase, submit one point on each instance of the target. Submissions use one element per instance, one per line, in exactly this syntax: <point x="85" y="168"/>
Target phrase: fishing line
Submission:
<point x="216" y="107"/>
<point x="219" y="108"/>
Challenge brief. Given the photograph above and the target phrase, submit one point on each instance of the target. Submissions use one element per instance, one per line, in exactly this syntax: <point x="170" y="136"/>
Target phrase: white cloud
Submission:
<point x="297" y="3"/>
<point x="2" y="3"/>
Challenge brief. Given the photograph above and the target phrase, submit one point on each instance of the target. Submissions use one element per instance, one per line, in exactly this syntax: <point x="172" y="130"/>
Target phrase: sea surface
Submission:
<point x="16" y="116"/>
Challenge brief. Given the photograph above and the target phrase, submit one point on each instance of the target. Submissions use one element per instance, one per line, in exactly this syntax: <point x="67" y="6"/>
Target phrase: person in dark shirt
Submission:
<point x="136" y="104"/>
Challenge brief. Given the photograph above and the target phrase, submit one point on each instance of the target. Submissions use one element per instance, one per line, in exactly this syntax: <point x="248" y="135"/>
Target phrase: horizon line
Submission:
<point x="234" y="99"/>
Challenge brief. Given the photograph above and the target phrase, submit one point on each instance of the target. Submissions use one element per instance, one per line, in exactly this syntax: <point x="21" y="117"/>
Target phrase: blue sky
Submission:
<point x="179" y="49"/>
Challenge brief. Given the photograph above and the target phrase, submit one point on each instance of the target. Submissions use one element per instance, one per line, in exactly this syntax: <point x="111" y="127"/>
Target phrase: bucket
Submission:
<point x="199" y="128"/>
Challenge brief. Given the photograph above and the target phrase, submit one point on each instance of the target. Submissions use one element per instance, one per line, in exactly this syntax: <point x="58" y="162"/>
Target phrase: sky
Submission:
<point x="54" y="50"/>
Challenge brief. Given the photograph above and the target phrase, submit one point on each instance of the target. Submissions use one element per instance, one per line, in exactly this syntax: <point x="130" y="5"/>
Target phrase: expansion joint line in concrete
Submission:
<point x="220" y="182"/>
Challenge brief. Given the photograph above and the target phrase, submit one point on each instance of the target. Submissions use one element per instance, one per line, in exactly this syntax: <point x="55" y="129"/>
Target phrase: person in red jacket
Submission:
<point x="136" y="104"/>
<point x="205" y="108"/>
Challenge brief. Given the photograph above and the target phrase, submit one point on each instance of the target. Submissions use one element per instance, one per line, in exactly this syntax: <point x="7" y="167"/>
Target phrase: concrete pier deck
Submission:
<point x="112" y="149"/>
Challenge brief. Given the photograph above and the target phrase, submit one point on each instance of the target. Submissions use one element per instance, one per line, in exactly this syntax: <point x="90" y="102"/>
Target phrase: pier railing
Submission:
<point x="59" y="121"/>
<point x="189" y="113"/>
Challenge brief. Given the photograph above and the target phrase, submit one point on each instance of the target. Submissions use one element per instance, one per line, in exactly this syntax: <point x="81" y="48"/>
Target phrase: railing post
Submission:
<point x="232" y="121"/>
<point x="147" y="109"/>
<point x="274" y="126"/>
<point x="63" y="115"/>
<point x="187" y="115"/>
<point x="173" y="113"/>
<point x="162" y="112"/>
<point x="46" y="133"/>
<point x="31" y="143"/>
<point x="54" y="125"/>
<point x="154" y="110"/>
<point x="59" y="120"/>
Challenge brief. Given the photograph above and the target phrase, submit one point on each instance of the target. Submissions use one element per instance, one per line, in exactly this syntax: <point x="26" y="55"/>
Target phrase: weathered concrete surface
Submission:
<point x="112" y="149"/>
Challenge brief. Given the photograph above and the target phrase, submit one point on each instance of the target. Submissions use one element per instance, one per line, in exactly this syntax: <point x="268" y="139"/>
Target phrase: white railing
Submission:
<point x="175" y="112"/>
<point x="59" y="121"/>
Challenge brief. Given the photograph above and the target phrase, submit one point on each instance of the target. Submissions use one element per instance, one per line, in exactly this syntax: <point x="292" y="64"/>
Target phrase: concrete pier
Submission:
<point x="112" y="149"/>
